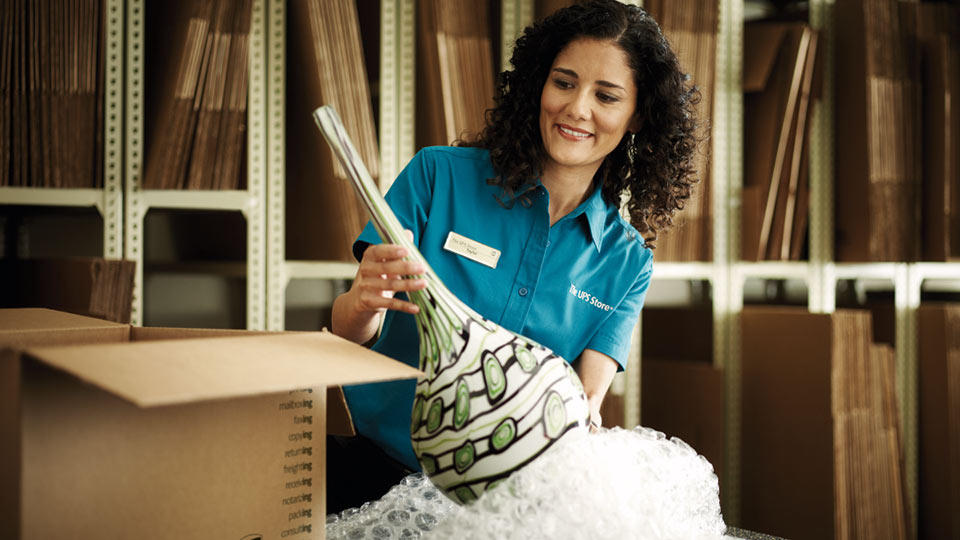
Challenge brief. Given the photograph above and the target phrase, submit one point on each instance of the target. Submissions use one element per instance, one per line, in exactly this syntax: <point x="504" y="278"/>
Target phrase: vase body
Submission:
<point x="490" y="401"/>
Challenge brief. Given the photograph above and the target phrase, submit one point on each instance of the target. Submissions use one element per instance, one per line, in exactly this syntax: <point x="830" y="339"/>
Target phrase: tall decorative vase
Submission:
<point x="490" y="401"/>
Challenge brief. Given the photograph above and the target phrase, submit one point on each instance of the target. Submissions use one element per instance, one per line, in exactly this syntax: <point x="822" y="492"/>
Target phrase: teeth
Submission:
<point x="576" y="134"/>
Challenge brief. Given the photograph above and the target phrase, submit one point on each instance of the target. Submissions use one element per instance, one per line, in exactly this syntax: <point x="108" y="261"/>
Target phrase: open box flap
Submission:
<point x="154" y="373"/>
<point x="28" y="327"/>
<point x="13" y="320"/>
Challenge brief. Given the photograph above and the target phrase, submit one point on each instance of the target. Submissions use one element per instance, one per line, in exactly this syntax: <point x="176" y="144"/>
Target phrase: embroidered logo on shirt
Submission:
<point x="589" y="298"/>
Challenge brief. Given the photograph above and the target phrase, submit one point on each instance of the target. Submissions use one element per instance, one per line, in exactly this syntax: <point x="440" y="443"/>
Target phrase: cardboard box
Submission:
<point x="114" y="431"/>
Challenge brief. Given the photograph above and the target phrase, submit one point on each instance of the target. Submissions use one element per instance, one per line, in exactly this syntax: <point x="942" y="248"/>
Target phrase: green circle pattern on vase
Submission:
<point x="435" y="415"/>
<point x="463" y="457"/>
<point x="554" y="415"/>
<point x="494" y="378"/>
<point x="417" y="416"/>
<point x="526" y="359"/>
<point x="465" y="494"/>
<point x="503" y="435"/>
<point x="461" y="409"/>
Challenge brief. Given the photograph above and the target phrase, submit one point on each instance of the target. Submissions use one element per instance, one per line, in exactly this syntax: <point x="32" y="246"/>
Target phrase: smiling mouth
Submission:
<point x="572" y="134"/>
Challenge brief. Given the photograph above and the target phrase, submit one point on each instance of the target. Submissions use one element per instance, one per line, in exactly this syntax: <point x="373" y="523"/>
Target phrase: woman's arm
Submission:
<point x="596" y="371"/>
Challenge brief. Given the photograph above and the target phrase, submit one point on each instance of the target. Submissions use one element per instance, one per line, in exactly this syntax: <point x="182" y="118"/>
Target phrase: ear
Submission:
<point x="635" y="125"/>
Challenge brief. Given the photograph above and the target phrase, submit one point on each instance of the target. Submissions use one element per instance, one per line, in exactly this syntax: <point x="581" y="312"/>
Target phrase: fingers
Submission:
<point x="380" y="276"/>
<point x="372" y="301"/>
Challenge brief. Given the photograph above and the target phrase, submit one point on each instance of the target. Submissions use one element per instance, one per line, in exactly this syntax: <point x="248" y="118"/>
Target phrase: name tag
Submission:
<point x="471" y="249"/>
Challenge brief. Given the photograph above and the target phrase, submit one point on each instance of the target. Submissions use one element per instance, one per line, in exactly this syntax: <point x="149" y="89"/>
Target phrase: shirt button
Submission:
<point x="522" y="291"/>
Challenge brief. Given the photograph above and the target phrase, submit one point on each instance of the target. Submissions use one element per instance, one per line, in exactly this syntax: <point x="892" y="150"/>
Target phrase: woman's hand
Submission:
<point x="356" y="313"/>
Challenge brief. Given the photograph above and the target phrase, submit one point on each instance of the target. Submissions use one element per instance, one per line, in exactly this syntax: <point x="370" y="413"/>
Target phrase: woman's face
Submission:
<point x="586" y="105"/>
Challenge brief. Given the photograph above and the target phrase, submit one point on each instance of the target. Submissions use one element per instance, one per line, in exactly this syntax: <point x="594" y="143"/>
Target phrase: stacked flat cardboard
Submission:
<point x="197" y="74"/>
<point x="691" y="28"/>
<point x="101" y="288"/>
<point x="820" y="446"/>
<point x="682" y="393"/>
<point x="939" y="463"/>
<point x="877" y="134"/>
<point x="112" y="431"/>
<point x="326" y="55"/>
<point x="870" y="493"/>
<point x="455" y="71"/>
<point x="778" y="72"/>
<point x="51" y="93"/>
<point x="935" y="27"/>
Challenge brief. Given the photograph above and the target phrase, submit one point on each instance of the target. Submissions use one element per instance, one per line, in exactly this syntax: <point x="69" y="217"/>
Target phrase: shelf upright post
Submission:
<point x="133" y="150"/>
<point x="823" y="281"/>
<point x="727" y="179"/>
<point x="276" y="164"/>
<point x="907" y="285"/>
<point x="112" y="209"/>
<point x="632" y="398"/>
<point x="397" y="87"/>
<point x="515" y="15"/>
<point x="255" y="212"/>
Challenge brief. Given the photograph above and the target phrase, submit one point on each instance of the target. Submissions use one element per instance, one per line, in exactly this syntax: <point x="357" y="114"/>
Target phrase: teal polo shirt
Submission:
<point x="576" y="285"/>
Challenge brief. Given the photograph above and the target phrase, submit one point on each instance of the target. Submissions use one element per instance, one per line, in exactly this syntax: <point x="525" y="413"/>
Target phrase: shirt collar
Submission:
<point x="594" y="210"/>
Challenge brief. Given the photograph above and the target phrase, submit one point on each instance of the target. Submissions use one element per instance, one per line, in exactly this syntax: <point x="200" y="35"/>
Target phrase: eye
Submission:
<point x="560" y="82"/>
<point x="607" y="98"/>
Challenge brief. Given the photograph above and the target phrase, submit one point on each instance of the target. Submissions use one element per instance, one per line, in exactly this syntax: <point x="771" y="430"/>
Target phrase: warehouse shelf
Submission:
<point x="774" y="270"/>
<point x="682" y="271"/>
<point x="107" y="200"/>
<point x="31" y="196"/>
<point x="319" y="270"/>
<point x="251" y="202"/>
<point x="242" y="201"/>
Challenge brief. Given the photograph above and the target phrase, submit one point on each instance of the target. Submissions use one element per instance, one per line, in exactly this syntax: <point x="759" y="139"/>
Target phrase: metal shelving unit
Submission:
<point x="250" y="202"/>
<point x="108" y="201"/>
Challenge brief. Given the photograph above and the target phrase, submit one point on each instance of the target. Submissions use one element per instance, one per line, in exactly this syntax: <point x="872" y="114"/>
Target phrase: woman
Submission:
<point x="594" y="109"/>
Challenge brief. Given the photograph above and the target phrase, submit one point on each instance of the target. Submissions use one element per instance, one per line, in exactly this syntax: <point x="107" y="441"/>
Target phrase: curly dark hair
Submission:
<point x="653" y="166"/>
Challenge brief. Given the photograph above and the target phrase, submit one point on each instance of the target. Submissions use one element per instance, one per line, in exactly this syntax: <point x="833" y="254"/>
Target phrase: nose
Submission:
<point x="579" y="106"/>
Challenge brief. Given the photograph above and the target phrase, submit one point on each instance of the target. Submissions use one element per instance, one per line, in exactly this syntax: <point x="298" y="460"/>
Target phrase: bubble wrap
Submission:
<point x="613" y="484"/>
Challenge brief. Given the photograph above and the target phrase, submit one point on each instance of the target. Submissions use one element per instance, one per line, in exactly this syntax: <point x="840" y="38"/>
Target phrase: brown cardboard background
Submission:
<point x="934" y="506"/>
<point x="685" y="400"/>
<point x="787" y="426"/>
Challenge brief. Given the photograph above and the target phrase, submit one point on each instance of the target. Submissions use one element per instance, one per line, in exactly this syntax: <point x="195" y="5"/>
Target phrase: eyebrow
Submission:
<point x="601" y="82"/>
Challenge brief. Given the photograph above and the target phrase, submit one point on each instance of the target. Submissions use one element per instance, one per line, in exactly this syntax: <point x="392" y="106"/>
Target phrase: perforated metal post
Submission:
<point x="255" y="212"/>
<point x="133" y="149"/>
<point x="727" y="178"/>
<point x="823" y="283"/>
<point x="112" y="208"/>
<point x="276" y="164"/>
<point x="397" y="88"/>
<point x="515" y="15"/>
